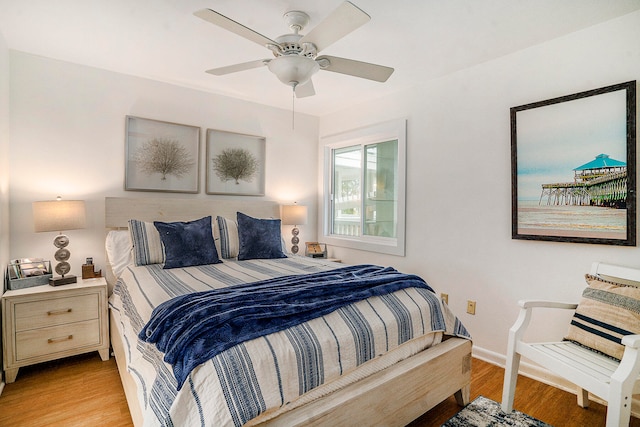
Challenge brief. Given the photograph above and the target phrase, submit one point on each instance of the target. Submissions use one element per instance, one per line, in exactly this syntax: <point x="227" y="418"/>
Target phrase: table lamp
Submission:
<point x="294" y="215"/>
<point x="60" y="215"/>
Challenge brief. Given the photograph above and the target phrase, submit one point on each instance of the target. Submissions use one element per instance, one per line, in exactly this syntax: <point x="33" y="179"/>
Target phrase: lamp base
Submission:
<point x="63" y="280"/>
<point x="295" y="239"/>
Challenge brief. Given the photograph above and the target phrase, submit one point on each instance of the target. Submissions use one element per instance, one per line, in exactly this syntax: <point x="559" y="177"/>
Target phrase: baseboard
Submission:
<point x="1" y="387"/>
<point x="538" y="373"/>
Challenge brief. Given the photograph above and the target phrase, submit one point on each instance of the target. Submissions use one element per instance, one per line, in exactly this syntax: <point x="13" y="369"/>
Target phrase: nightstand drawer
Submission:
<point x="39" y="342"/>
<point x="55" y="311"/>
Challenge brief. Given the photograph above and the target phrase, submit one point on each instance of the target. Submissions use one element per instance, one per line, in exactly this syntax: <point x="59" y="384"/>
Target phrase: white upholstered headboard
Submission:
<point x="119" y="210"/>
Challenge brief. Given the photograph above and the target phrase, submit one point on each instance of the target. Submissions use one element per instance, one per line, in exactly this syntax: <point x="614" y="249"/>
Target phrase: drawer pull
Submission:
<point x="60" y="339"/>
<point x="63" y="311"/>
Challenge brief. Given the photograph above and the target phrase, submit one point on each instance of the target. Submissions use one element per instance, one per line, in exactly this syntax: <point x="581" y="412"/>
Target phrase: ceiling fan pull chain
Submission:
<point x="293" y="108"/>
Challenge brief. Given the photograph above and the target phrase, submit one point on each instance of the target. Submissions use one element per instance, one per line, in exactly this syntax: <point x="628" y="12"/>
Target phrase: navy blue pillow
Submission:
<point x="187" y="243"/>
<point x="259" y="238"/>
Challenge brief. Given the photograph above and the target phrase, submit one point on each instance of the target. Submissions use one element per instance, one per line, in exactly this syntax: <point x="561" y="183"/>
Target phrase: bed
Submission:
<point x="337" y="369"/>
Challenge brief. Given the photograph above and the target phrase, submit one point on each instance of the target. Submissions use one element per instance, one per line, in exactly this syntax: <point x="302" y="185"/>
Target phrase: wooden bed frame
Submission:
<point x="417" y="384"/>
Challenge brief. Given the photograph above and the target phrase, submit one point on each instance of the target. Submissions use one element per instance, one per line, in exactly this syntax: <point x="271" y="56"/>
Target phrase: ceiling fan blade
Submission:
<point x="343" y="20"/>
<point x="233" y="26"/>
<point x="351" y="67"/>
<point x="238" y="67"/>
<point x="304" y="90"/>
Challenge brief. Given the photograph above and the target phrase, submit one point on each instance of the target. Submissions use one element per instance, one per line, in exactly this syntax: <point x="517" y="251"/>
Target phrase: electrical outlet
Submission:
<point x="471" y="307"/>
<point x="445" y="298"/>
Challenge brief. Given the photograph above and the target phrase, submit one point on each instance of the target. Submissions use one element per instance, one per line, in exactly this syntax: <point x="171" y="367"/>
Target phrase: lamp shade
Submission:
<point x="59" y="215"/>
<point x="294" y="215"/>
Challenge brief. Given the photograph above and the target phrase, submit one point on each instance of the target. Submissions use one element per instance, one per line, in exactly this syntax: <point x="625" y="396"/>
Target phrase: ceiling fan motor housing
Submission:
<point x="288" y="44"/>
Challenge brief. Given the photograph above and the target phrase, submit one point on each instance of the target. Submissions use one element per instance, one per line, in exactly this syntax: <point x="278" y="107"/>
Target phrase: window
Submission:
<point x="365" y="188"/>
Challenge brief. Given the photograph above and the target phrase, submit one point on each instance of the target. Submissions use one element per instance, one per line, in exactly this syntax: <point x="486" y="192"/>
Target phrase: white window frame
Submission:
<point x="392" y="130"/>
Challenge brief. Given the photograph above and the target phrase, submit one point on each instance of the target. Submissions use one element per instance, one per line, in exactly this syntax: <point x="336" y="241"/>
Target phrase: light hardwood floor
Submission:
<point x="76" y="391"/>
<point x="85" y="391"/>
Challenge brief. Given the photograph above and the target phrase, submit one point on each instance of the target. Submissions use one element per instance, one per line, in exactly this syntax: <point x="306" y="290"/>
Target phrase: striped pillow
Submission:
<point x="229" y="242"/>
<point x="147" y="246"/>
<point x="607" y="311"/>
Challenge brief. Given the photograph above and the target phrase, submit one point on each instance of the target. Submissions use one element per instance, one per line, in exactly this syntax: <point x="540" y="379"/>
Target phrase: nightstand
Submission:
<point x="44" y="323"/>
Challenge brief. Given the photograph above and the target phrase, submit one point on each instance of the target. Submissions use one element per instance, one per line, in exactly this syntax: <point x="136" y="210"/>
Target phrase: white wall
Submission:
<point x="4" y="169"/>
<point x="458" y="178"/>
<point x="4" y="156"/>
<point x="67" y="126"/>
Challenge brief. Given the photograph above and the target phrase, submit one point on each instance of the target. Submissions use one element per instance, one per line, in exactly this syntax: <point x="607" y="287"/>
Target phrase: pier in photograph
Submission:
<point x="601" y="182"/>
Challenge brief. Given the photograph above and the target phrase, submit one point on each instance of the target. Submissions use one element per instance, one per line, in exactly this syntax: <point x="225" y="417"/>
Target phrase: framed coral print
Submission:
<point x="161" y="156"/>
<point x="573" y="167"/>
<point x="235" y="163"/>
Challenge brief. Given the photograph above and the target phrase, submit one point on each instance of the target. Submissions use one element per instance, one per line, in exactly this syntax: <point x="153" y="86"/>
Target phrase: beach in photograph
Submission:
<point x="571" y="221"/>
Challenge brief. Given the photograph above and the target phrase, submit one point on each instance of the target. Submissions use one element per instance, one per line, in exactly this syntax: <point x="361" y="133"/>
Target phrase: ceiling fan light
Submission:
<point x="293" y="70"/>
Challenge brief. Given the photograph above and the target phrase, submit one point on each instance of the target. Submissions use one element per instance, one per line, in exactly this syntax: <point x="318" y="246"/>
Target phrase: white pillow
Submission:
<point x="119" y="250"/>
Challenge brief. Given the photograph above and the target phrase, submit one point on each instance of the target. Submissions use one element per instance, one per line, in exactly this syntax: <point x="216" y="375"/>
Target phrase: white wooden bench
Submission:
<point x="612" y="381"/>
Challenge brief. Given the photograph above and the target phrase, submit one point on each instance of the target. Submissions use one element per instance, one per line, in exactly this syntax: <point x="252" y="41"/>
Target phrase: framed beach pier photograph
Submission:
<point x="573" y="167"/>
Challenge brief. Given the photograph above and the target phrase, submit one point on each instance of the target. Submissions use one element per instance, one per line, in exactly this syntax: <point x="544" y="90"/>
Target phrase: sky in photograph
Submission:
<point x="555" y="139"/>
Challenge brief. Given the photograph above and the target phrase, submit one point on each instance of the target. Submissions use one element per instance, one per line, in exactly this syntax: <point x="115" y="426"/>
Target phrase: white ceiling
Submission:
<point x="163" y="40"/>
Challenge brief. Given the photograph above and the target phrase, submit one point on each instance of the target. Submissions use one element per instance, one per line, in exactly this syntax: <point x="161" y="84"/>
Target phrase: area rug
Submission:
<point x="483" y="412"/>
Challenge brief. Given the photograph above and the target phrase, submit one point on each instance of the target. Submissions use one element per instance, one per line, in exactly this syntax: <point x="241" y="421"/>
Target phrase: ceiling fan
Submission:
<point x="296" y="57"/>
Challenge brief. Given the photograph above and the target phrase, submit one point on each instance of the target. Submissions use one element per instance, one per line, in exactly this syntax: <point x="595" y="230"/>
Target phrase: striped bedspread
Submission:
<point x="267" y="375"/>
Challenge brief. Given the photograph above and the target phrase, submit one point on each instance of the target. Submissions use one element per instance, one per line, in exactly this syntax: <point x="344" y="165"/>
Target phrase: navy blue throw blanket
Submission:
<point x="191" y="329"/>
